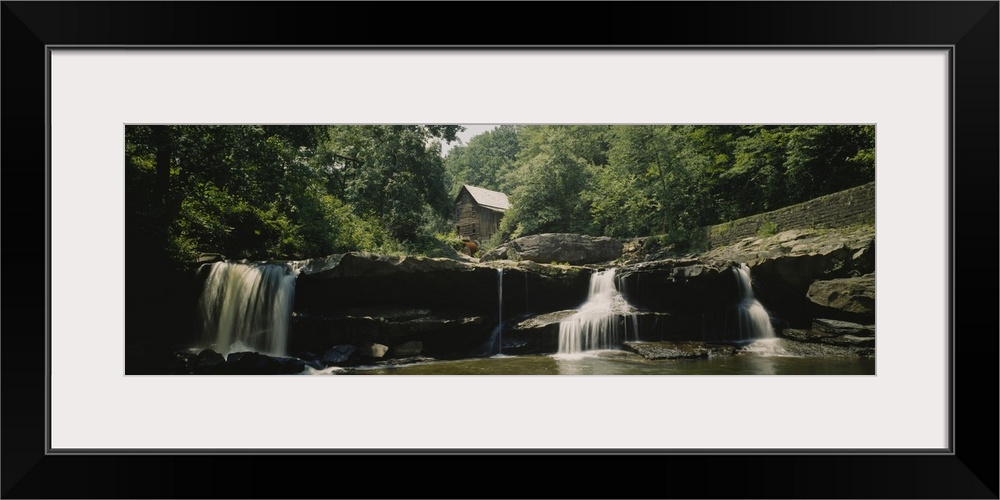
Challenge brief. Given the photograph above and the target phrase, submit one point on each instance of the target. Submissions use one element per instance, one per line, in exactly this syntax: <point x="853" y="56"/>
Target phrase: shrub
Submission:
<point x="767" y="228"/>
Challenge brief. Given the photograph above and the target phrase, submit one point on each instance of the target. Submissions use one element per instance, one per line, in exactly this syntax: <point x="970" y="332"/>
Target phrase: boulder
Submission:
<point x="208" y="258"/>
<point x="854" y="295"/>
<point x="338" y="355"/>
<point x="254" y="363"/>
<point x="311" y="359"/>
<point x="373" y="351"/>
<point x="407" y="349"/>
<point x="307" y="356"/>
<point x="209" y="362"/>
<point x="570" y="248"/>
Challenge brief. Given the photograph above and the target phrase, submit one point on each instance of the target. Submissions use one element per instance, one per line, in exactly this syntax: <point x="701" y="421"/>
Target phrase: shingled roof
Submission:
<point x="490" y="199"/>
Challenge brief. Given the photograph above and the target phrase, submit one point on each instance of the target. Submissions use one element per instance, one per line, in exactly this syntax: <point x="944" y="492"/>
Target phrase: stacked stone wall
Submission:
<point x="844" y="208"/>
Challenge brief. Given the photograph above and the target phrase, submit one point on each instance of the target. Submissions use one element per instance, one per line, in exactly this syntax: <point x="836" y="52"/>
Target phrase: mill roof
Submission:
<point x="490" y="199"/>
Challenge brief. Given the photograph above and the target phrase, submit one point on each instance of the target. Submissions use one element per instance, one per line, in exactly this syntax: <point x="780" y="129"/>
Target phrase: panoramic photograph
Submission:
<point x="512" y="249"/>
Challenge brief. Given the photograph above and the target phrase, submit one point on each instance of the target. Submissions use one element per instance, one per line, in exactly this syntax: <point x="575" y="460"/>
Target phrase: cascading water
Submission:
<point x="602" y="322"/>
<point x="498" y="332"/>
<point x="753" y="322"/>
<point x="248" y="306"/>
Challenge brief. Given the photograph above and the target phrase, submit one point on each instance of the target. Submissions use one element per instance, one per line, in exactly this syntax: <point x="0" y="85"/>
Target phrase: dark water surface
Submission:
<point x="623" y="363"/>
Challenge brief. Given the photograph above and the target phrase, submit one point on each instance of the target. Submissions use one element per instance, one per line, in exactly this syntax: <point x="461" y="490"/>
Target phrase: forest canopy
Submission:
<point x="292" y="192"/>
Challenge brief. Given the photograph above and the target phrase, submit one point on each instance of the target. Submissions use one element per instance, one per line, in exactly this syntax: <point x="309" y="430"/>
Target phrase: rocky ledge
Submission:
<point x="576" y="249"/>
<point x="678" y="350"/>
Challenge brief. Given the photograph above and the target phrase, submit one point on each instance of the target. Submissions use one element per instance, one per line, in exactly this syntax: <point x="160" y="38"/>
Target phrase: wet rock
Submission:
<point x="253" y="363"/>
<point x="209" y="362"/>
<point x="407" y="349"/>
<point x="806" y="335"/>
<point x="849" y="339"/>
<point x="544" y="320"/>
<point x="678" y="350"/>
<point x="540" y="334"/>
<point x="311" y="359"/>
<point x="307" y="356"/>
<point x="813" y="349"/>
<point x="405" y="361"/>
<point x="837" y="327"/>
<point x="535" y="335"/>
<point x="290" y="366"/>
<point x="314" y="364"/>
<point x="338" y="355"/>
<point x="440" y="334"/>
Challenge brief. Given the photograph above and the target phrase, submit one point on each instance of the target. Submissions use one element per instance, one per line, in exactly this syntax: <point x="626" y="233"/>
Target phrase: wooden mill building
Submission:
<point x="478" y="212"/>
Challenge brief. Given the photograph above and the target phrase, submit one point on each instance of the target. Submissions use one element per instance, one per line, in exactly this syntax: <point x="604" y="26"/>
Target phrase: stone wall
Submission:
<point x="845" y="208"/>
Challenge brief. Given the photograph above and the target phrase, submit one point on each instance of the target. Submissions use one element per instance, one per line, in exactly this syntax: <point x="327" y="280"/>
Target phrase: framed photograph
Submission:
<point x="921" y="76"/>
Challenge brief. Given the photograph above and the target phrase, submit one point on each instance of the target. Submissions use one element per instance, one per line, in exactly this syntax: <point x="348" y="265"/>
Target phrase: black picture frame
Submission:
<point x="969" y="28"/>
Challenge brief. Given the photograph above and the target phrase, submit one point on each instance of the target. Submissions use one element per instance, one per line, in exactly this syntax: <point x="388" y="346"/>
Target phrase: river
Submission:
<point x="612" y="362"/>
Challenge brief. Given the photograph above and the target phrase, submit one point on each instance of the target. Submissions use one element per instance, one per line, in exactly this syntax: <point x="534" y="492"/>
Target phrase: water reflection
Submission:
<point x="623" y="363"/>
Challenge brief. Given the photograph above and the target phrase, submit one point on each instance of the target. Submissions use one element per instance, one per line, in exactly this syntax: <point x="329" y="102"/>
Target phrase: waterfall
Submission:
<point x="602" y="322"/>
<point x="248" y="306"/>
<point x="500" y="311"/>
<point x="753" y="321"/>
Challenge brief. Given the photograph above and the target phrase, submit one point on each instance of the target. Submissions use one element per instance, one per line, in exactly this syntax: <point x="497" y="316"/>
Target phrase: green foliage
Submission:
<point x="553" y="173"/>
<point x="394" y="174"/>
<point x="452" y="240"/>
<point x="767" y="228"/>
<point x="496" y="239"/>
<point x="487" y="161"/>
<point x="263" y="192"/>
<point x="679" y="241"/>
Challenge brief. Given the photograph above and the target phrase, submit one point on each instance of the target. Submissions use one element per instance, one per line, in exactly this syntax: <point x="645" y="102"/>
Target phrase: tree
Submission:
<point x="646" y="187"/>
<point x="550" y="180"/>
<point x="255" y="192"/>
<point x="487" y="161"/>
<point x="396" y="174"/>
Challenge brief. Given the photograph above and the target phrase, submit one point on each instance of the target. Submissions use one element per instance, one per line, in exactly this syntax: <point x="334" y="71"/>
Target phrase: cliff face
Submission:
<point x="452" y="307"/>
